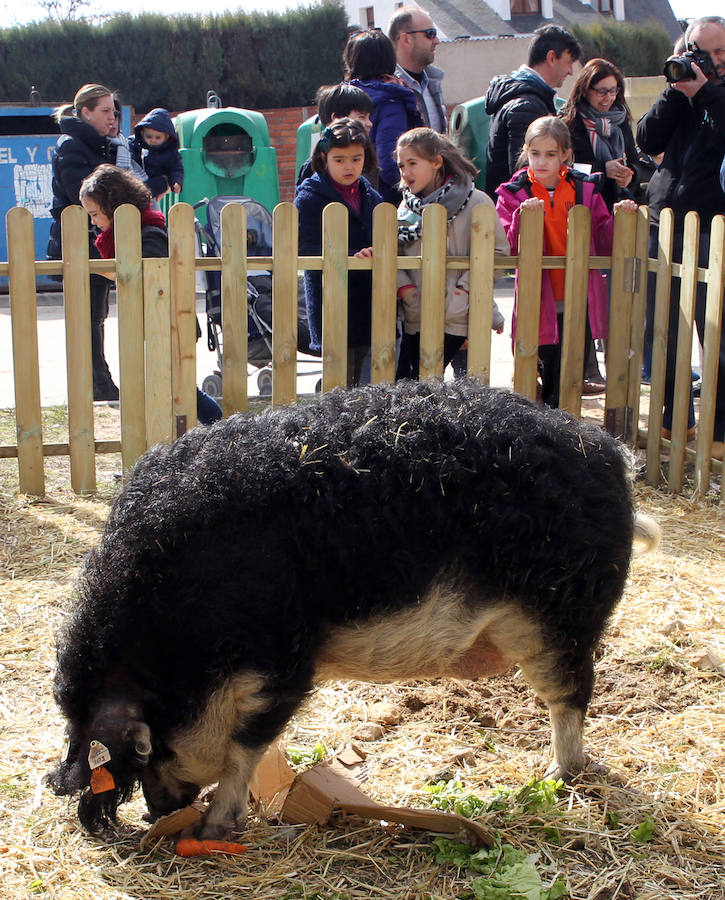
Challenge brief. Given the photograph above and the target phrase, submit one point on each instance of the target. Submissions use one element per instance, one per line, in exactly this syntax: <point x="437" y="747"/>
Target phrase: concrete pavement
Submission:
<point x="52" y="350"/>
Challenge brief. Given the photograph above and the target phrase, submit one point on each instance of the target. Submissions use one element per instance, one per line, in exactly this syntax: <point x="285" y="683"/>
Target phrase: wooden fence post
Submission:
<point x="665" y="240"/>
<point x="182" y="275"/>
<point x="77" y="299"/>
<point x="683" y="371"/>
<point x="24" y="322"/>
<point x="385" y="288"/>
<point x="335" y="226"/>
<point x="234" y="308"/>
<point x="617" y="415"/>
<point x="711" y="354"/>
<point x="284" y="305"/>
<point x="157" y="330"/>
<point x="576" y="286"/>
<point x="526" y="340"/>
<point x="480" y="298"/>
<point x="639" y="305"/>
<point x="129" y="295"/>
<point x="432" y="291"/>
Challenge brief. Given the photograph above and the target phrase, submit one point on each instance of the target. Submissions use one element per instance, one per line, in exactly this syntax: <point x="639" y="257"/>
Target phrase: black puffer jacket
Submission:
<point x="513" y="102"/>
<point x="691" y="133"/>
<point x="79" y="150"/>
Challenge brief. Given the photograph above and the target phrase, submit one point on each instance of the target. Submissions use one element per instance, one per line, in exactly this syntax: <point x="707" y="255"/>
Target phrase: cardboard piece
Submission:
<point x="317" y="794"/>
<point x="331" y="786"/>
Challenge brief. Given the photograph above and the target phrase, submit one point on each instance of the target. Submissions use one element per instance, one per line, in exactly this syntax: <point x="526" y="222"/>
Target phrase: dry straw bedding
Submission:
<point x="657" y="720"/>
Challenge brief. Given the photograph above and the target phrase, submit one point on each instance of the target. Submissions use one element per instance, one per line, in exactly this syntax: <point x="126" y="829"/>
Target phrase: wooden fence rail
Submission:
<point x="156" y="313"/>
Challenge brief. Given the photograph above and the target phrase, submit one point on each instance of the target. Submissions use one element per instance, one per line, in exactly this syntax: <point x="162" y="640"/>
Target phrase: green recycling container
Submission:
<point x="307" y="136"/>
<point x="227" y="152"/>
<point x="469" y="132"/>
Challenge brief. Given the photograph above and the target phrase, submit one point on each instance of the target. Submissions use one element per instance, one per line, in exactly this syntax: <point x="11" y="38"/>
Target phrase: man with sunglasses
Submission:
<point x="415" y="39"/>
<point x="514" y="101"/>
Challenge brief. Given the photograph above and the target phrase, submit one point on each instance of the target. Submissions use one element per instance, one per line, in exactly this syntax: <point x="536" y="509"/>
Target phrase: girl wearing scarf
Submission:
<point x="600" y="124"/>
<point x="549" y="181"/>
<point x="434" y="171"/>
<point x="101" y="193"/>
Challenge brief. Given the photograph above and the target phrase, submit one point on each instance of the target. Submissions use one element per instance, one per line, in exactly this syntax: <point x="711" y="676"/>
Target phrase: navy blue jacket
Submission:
<point x="312" y="197"/>
<point x="78" y="151"/>
<point x="162" y="164"/>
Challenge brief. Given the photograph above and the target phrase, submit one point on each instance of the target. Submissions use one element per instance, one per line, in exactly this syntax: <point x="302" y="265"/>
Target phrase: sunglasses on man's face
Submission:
<point x="430" y="33"/>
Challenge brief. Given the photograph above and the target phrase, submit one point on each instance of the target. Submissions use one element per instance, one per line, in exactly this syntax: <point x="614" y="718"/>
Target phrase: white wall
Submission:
<point x="384" y="9"/>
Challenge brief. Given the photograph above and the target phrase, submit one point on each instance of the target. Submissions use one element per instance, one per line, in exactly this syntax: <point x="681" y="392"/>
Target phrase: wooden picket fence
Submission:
<point x="157" y="337"/>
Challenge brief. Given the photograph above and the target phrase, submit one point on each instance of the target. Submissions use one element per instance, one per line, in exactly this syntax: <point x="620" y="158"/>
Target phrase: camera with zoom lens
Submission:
<point x="679" y="68"/>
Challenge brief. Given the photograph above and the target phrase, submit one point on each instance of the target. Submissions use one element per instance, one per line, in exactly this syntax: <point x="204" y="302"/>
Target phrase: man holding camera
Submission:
<point x="687" y="124"/>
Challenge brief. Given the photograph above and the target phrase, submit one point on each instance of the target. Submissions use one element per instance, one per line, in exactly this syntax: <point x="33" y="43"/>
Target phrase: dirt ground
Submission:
<point x="650" y="826"/>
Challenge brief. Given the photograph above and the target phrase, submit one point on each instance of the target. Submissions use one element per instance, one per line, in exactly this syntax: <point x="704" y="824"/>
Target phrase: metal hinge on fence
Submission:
<point x="631" y="274"/>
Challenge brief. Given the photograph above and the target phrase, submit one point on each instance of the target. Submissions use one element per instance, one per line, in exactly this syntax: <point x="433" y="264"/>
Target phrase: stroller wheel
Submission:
<point x="212" y="385"/>
<point x="264" y="383"/>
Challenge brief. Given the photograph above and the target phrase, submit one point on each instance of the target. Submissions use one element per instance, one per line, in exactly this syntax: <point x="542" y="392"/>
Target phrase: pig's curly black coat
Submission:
<point x="239" y="546"/>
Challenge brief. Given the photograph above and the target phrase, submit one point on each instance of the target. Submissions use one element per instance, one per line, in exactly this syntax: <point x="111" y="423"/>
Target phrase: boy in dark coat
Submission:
<point x="156" y="148"/>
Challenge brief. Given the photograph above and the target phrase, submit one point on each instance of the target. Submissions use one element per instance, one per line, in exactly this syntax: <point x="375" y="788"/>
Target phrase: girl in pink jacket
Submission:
<point x="549" y="181"/>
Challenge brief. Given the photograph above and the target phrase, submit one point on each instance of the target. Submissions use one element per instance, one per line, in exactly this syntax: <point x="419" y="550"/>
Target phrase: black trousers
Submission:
<point x="550" y="363"/>
<point x="700" y="300"/>
<point x="100" y="289"/>
<point x="409" y="361"/>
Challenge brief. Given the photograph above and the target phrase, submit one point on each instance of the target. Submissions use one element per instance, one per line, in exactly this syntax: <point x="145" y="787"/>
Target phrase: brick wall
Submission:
<point x="283" y="125"/>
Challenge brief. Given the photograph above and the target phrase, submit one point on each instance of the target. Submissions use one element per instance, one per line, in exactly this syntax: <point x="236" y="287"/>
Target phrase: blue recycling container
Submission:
<point x="28" y="135"/>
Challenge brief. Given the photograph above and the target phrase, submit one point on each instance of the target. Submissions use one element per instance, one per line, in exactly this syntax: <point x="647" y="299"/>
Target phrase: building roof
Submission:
<point x="474" y="18"/>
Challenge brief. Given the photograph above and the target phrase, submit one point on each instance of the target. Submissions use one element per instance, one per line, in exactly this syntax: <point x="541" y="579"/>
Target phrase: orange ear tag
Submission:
<point x="102" y="780"/>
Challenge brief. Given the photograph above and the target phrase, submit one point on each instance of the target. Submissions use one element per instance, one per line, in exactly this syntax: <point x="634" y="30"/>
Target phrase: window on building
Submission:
<point x="527" y="7"/>
<point x="604" y="7"/>
<point x="367" y="14"/>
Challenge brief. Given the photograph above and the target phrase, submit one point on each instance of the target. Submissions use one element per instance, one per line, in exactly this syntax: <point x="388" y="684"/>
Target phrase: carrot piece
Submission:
<point x="192" y="847"/>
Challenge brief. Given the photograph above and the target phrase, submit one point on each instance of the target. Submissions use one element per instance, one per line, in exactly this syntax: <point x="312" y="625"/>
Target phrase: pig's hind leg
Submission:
<point x="564" y="681"/>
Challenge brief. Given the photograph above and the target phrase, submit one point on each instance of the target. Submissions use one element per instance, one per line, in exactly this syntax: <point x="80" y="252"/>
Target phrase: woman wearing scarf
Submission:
<point x="600" y="123"/>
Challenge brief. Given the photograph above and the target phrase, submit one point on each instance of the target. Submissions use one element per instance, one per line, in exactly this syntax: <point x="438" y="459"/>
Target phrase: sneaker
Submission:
<point x="589" y="386"/>
<point x="718" y="448"/>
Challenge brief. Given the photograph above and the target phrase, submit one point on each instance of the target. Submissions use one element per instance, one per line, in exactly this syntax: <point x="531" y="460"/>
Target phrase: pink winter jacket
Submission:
<point x="510" y="197"/>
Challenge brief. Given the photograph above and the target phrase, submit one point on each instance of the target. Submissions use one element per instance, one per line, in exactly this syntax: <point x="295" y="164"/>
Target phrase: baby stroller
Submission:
<point x="259" y="294"/>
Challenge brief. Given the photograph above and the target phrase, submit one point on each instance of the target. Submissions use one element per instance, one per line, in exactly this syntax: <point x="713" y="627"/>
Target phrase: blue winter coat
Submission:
<point x="162" y="164"/>
<point x="395" y="111"/>
<point x="78" y="151"/>
<point x="312" y="197"/>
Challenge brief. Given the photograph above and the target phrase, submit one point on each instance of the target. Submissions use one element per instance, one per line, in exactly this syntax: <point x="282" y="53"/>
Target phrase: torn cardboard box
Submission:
<point x="317" y="794"/>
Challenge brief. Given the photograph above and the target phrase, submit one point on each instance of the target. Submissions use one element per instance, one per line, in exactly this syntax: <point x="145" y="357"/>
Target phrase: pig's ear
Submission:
<point x="138" y="735"/>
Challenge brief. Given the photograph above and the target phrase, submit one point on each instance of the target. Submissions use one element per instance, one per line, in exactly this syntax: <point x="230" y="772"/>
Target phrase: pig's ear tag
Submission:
<point x="98" y="755"/>
<point x="101" y="778"/>
<point x="65" y="750"/>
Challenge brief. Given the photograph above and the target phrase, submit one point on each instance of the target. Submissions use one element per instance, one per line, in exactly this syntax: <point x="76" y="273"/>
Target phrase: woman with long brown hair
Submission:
<point x="600" y="123"/>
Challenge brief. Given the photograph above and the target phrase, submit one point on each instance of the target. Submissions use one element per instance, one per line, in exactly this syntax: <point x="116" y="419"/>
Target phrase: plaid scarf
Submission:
<point x="604" y="130"/>
<point x="454" y="194"/>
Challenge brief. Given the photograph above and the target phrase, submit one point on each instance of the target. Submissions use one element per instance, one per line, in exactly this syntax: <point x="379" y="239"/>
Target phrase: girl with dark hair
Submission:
<point x="433" y="170"/>
<point x="84" y="144"/>
<point x="600" y="123"/>
<point x="369" y="60"/>
<point x="101" y="194"/>
<point x="338" y="160"/>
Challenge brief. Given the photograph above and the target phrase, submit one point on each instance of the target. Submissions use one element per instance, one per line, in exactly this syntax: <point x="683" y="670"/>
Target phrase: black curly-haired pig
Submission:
<point x="390" y="532"/>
